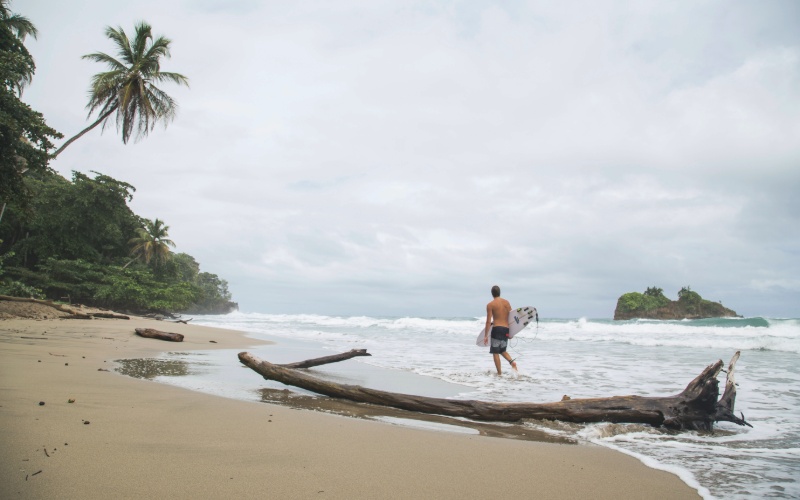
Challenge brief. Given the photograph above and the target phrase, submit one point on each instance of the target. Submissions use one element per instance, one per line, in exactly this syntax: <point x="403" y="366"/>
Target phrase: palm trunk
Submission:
<point x="82" y="132"/>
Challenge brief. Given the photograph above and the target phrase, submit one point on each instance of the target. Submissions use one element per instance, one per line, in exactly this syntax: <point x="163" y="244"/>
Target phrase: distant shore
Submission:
<point x="99" y="434"/>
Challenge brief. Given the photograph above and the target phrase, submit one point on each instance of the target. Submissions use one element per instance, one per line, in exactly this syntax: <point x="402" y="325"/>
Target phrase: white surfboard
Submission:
<point x="518" y="319"/>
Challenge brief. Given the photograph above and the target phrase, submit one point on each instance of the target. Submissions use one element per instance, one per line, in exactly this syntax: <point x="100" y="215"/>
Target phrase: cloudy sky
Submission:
<point x="390" y="157"/>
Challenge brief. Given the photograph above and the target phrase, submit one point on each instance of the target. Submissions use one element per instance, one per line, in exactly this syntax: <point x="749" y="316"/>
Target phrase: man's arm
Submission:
<point x="488" y="326"/>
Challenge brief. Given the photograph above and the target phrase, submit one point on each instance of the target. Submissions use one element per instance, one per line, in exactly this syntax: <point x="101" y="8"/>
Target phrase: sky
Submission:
<point x="398" y="158"/>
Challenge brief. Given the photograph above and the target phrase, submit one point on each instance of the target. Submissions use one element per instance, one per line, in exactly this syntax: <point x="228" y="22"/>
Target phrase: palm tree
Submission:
<point x="18" y="27"/>
<point x="152" y="242"/>
<point x="21" y="26"/>
<point x="129" y="87"/>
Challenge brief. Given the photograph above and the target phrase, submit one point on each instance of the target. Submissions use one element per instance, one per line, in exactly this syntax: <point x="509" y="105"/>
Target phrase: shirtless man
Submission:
<point x="497" y="319"/>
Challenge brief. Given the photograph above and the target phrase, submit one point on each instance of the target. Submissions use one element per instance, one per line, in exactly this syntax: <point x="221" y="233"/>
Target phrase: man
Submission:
<point x="497" y="319"/>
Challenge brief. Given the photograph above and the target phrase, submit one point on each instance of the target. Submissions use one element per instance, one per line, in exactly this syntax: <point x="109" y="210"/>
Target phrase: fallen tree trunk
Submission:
<point x="49" y="303"/>
<point x="60" y="307"/>
<point x="328" y="359"/>
<point x="158" y="334"/>
<point x="696" y="408"/>
<point x="77" y="315"/>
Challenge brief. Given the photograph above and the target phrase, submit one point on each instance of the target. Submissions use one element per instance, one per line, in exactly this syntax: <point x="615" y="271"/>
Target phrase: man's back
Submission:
<point x="499" y="307"/>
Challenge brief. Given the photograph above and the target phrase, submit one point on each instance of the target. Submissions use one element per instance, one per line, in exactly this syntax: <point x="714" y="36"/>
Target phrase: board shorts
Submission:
<point x="499" y="340"/>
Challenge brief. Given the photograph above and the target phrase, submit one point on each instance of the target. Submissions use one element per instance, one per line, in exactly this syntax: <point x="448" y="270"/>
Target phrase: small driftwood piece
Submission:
<point x="184" y="321"/>
<point x="328" y="359"/>
<point x="695" y="408"/>
<point x="109" y="315"/>
<point x="152" y="333"/>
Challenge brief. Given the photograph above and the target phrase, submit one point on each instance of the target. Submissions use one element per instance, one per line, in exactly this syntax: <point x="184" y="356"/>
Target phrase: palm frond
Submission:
<point x="171" y="77"/>
<point x="123" y="45"/>
<point x="113" y="63"/>
<point x="142" y="36"/>
<point x="20" y="26"/>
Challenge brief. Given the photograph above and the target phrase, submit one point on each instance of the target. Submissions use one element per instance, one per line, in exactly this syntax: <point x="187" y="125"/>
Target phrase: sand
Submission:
<point x="131" y="438"/>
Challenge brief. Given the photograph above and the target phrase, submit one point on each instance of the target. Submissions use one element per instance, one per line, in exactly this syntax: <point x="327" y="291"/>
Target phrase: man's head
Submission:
<point x="495" y="291"/>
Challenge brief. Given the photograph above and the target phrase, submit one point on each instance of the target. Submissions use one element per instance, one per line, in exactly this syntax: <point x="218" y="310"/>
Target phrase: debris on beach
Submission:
<point x="697" y="407"/>
<point x="152" y="333"/>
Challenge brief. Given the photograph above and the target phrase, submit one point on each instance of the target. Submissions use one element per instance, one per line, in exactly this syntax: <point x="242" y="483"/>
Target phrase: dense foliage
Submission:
<point x="24" y="135"/>
<point x="651" y="299"/>
<point x="692" y="301"/>
<point x="79" y="241"/>
<point x="76" y="243"/>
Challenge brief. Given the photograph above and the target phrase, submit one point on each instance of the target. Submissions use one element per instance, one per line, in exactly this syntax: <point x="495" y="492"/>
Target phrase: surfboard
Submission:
<point x="518" y="319"/>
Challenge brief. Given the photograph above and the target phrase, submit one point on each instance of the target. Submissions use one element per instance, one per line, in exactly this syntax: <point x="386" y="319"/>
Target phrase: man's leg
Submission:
<point x="497" y="363"/>
<point x="511" y="361"/>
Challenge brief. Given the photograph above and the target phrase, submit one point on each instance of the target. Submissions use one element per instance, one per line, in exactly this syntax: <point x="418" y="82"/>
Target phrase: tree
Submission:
<point x="24" y="135"/>
<point x="19" y="64"/>
<point x="86" y="219"/>
<point x="654" y="292"/>
<point x="152" y="242"/>
<point x="686" y="294"/>
<point x="129" y="87"/>
<point x="182" y="267"/>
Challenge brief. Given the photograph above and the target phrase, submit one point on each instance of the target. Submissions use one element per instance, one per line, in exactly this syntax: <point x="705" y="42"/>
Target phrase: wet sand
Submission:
<point x="124" y="437"/>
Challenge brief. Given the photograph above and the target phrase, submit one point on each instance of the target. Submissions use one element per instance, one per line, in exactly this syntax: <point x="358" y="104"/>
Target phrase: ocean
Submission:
<point x="581" y="358"/>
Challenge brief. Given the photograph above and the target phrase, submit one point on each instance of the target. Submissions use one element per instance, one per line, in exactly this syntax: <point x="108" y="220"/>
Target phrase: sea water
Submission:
<point x="579" y="358"/>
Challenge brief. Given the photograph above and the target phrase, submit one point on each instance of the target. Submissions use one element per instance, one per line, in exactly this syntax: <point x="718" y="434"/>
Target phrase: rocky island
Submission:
<point x="652" y="304"/>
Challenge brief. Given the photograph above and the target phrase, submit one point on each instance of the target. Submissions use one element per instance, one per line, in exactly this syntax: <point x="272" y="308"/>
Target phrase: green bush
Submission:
<point x="635" y="302"/>
<point x="631" y="302"/>
<point x="15" y="288"/>
<point x="18" y="289"/>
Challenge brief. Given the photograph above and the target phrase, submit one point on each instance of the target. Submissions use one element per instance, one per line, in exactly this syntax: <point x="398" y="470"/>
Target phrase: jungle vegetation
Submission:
<point x="78" y="240"/>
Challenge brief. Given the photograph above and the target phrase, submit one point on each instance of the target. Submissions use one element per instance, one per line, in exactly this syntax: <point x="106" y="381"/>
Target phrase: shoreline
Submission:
<point x="153" y="439"/>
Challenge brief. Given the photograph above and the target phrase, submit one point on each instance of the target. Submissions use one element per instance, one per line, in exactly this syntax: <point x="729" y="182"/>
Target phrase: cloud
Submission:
<point x="400" y="158"/>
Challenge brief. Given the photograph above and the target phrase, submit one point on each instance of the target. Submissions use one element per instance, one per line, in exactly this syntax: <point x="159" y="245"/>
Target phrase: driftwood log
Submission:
<point x="152" y="333"/>
<point x="73" y="314"/>
<point x="695" y="408"/>
<point x="76" y="315"/>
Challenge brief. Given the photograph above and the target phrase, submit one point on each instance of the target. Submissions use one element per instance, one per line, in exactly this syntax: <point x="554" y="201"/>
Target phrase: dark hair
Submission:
<point x="495" y="291"/>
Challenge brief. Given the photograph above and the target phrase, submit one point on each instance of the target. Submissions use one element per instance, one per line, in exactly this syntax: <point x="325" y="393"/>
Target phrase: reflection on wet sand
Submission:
<point x="151" y="368"/>
<point x="326" y="404"/>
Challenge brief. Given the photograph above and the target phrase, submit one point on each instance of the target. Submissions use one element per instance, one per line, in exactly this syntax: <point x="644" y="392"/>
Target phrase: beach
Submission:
<point x="124" y="437"/>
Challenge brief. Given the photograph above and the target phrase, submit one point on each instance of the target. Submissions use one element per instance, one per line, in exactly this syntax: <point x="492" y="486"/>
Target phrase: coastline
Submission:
<point x="150" y="439"/>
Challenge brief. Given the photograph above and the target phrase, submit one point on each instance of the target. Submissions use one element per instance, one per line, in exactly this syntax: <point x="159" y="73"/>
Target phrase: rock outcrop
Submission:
<point x="654" y="305"/>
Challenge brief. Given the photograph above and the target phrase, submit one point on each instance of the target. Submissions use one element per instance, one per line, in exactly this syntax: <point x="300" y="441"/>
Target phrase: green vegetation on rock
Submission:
<point x="652" y="304"/>
<point x="652" y="299"/>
